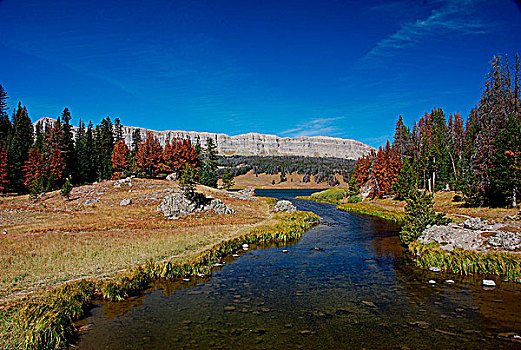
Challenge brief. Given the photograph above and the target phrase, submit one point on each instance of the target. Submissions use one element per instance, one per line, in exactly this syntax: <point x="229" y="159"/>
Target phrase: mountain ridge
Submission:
<point x="256" y="144"/>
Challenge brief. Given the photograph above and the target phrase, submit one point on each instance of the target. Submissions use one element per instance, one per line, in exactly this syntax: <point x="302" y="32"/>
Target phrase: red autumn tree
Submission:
<point x="4" y="179"/>
<point x="120" y="156"/>
<point x="179" y="153"/>
<point x="34" y="167"/>
<point x="56" y="166"/>
<point x="149" y="155"/>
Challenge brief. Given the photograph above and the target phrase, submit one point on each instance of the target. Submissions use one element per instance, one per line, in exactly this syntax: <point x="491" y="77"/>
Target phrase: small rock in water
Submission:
<point x="434" y="269"/>
<point x="217" y="265"/>
<point x="186" y="279"/>
<point x="432" y="281"/>
<point x="489" y="283"/>
<point x="284" y="250"/>
<point x="449" y="281"/>
<point x="235" y="255"/>
<point x="368" y="303"/>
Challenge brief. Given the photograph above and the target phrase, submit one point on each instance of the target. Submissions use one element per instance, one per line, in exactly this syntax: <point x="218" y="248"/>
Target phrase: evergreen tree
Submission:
<point x="407" y="179"/>
<point x="66" y="189"/>
<point x="208" y="173"/>
<point x="402" y="139"/>
<point x="187" y="181"/>
<point x="105" y="145"/>
<point x="419" y="212"/>
<point x="4" y="173"/>
<point x="227" y="178"/>
<point x="118" y="130"/>
<point x="20" y="143"/>
<point x="67" y="148"/>
<point x="5" y="123"/>
<point x="505" y="172"/>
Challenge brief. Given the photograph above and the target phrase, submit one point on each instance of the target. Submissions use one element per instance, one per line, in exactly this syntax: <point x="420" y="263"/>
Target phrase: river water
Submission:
<point x="347" y="283"/>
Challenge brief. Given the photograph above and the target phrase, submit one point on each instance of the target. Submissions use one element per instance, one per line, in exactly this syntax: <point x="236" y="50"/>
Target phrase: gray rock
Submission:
<point x="284" y="205"/>
<point x="218" y="206"/>
<point x="452" y="237"/>
<point x="90" y="201"/>
<point x="176" y="204"/>
<point x="506" y="240"/>
<point x="125" y="201"/>
<point x="171" y="177"/>
<point x="248" y="191"/>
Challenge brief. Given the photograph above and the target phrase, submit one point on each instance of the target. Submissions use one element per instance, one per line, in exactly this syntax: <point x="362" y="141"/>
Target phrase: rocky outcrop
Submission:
<point x="473" y="234"/>
<point x="253" y="144"/>
<point x="176" y="205"/>
<point x="284" y="205"/>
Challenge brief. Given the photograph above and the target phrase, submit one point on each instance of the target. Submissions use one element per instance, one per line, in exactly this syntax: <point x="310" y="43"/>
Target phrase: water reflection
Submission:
<point x="345" y="284"/>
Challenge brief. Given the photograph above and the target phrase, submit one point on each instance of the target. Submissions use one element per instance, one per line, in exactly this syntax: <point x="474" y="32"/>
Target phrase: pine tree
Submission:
<point x="402" y="139"/>
<point x="105" y="145"/>
<point x="187" y="181"/>
<point x="118" y="130"/>
<point x="406" y="181"/>
<point x="208" y="173"/>
<point x="227" y="178"/>
<point x="67" y="148"/>
<point x="5" y="123"/>
<point x="4" y="173"/>
<point x="505" y="172"/>
<point x="20" y="143"/>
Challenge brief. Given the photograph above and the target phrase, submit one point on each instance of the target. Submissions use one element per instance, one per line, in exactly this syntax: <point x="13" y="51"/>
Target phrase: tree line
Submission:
<point x="48" y="156"/>
<point x="479" y="157"/>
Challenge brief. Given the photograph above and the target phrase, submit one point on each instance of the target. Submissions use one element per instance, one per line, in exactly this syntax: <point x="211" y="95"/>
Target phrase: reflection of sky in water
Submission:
<point x="356" y="290"/>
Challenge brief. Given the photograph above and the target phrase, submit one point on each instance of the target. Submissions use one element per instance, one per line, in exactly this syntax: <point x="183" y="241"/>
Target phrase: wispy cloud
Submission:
<point x="315" y="127"/>
<point x="451" y="16"/>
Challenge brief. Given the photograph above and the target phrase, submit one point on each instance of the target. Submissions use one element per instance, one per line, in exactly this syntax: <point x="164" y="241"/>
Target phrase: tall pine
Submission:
<point x="20" y="143"/>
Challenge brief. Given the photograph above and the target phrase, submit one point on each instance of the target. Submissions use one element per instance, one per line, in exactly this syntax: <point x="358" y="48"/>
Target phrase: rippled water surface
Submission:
<point x="346" y="284"/>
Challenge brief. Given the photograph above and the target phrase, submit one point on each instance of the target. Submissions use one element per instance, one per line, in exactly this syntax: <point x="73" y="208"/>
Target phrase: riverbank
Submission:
<point x="494" y="263"/>
<point x="58" y="255"/>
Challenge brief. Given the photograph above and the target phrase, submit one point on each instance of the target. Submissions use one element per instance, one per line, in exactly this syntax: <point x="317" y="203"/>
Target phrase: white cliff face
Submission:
<point x="253" y="144"/>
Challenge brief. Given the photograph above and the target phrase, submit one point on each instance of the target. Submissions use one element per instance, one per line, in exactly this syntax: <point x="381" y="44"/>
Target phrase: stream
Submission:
<point x="347" y="283"/>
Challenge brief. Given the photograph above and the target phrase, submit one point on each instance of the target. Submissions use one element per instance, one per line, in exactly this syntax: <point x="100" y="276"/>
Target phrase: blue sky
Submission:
<point x="290" y="68"/>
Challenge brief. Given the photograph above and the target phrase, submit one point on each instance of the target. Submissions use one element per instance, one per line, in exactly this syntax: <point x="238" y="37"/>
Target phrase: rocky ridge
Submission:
<point x="254" y="144"/>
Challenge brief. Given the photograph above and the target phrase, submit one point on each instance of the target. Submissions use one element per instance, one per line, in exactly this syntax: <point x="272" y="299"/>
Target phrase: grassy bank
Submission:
<point x="466" y="262"/>
<point x="46" y="321"/>
<point x="396" y="215"/>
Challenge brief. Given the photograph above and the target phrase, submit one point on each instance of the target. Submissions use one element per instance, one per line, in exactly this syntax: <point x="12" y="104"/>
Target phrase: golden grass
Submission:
<point x="54" y="241"/>
<point x="266" y="181"/>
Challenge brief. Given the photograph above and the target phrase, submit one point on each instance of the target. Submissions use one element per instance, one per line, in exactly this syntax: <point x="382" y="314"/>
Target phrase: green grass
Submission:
<point x="332" y="194"/>
<point x="46" y="322"/>
<point x="466" y="262"/>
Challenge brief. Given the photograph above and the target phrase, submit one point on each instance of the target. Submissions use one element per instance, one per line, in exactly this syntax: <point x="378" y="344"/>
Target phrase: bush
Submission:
<point x="354" y="199"/>
<point x="419" y="212"/>
<point x="66" y="189"/>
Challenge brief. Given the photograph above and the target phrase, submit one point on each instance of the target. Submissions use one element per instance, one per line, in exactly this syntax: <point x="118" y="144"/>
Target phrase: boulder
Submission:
<point x="284" y="205"/>
<point x="125" y="181"/>
<point x="171" y="177"/>
<point x="219" y="207"/>
<point x="125" y="201"/>
<point x="90" y="201"/>
<point x="506" y="240"/>
<point x="176" y="204"/>
<point x="248" y="191"/>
